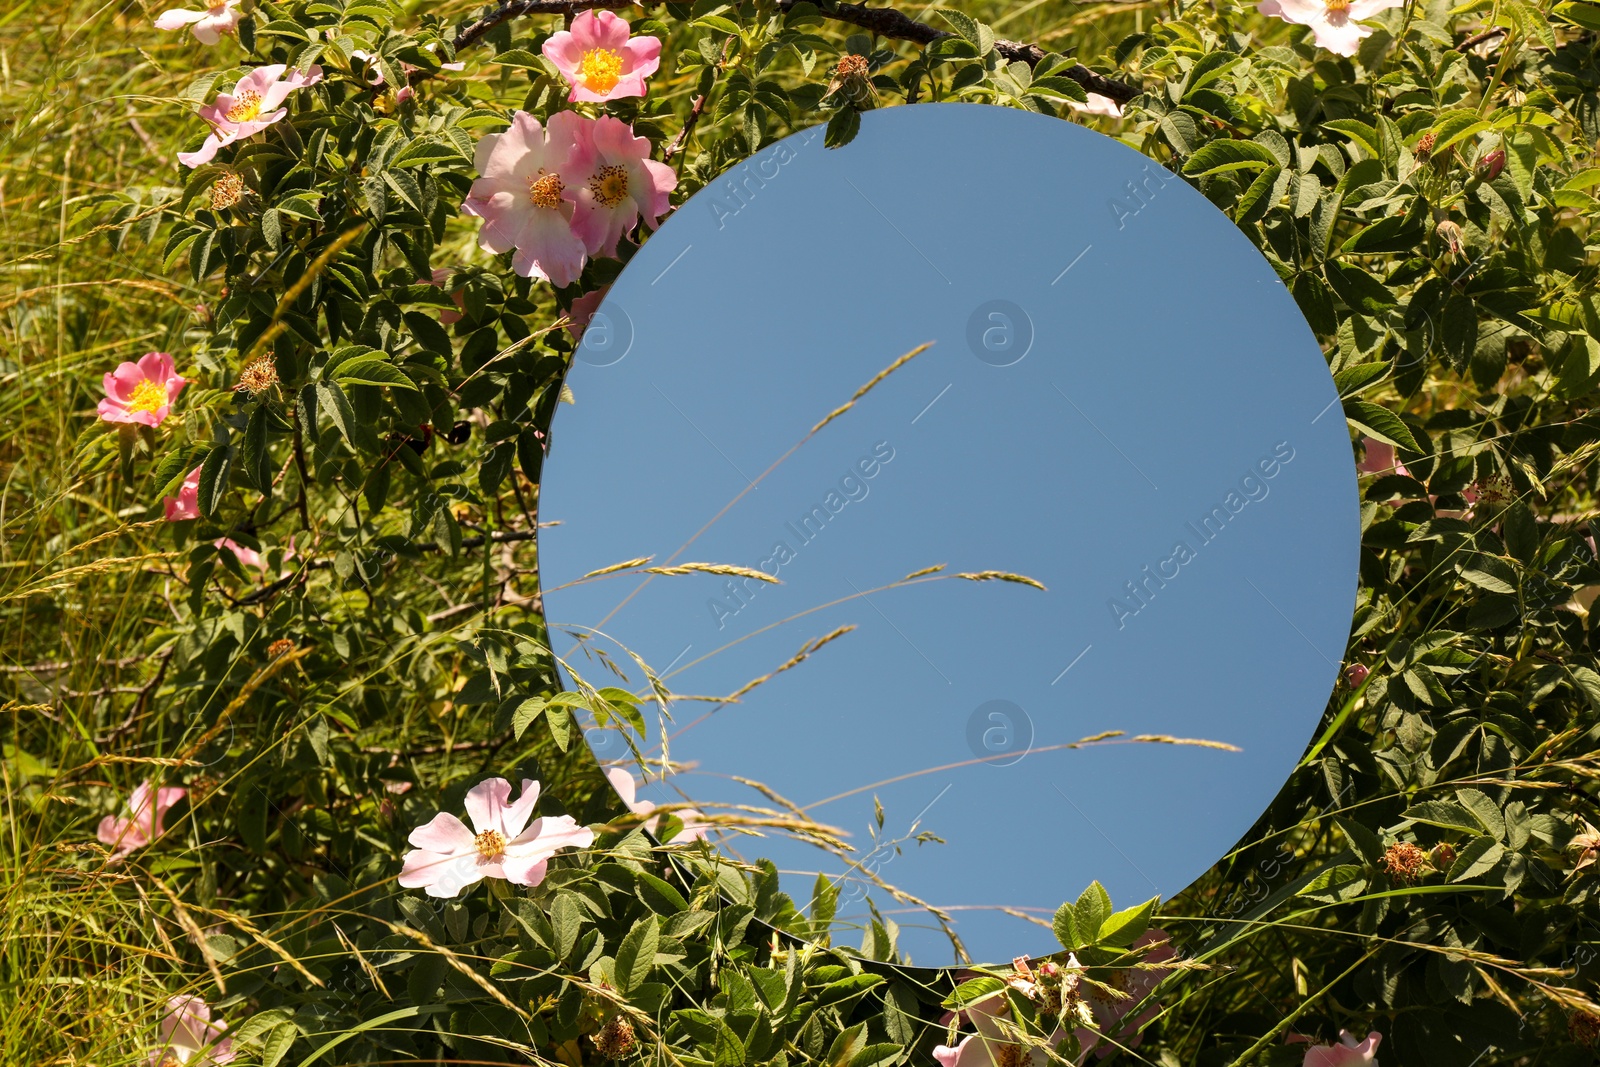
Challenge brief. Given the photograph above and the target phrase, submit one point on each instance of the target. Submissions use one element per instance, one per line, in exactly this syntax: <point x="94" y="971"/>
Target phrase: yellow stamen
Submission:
<point x="491" y="844"/>
<point x="600" y="70"/>
<point x="148" y="396"/>
<point x="1337" y="7"/>
<point x="609" y="185"/>
<point x="545" y="190"/>
<point x="246" y="106"/>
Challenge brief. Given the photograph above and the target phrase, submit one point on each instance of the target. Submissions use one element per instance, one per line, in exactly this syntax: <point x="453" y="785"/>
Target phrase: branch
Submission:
<point x="883" y="21"/>
<point x="887" y="22"/>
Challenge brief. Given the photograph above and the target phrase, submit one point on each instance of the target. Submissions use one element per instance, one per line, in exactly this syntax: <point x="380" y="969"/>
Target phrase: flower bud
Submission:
<point x="1443" y="856"/>
<point x="1355" y="674"/>
<point x="1492" y="163"/>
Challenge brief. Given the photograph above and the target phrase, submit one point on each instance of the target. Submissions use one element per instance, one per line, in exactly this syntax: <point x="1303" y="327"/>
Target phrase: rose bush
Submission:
<point x="275" y="615"/>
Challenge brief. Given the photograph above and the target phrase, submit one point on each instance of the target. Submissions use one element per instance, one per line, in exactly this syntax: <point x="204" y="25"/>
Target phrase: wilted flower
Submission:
<point x="255" y="103"/>
<point x="1335" y="23"/>
<point x="600" y="60"/>
<point x="502" y="843"/>
<point x="1424" y="147"/>
<point x="616" y="1038"/>
<point x="1097" y="104"/>
<point x="1450" y="234"/>
<point x="1587" y="844"/>
<point x="1347" y="1053"/>
<point x="227" y="190"/>
<point x="141" y="392"/>
<point x="693" y="829"/>
<point x="525" y="199"/>
<point x="186" y="505"/>
<point x="190" y="1035"/>
<point x="281" y="647"/>
<point x="1492" y="164"/>
<point x="853" y="78"/>
<point x="209" y="25"/>
<point x="258" y="376"/>
<point x="147" y="809"/>
<point x="247" y="557"/>
<point x="615" y="182"/>
<point x="1404" y="862"/>
<point x="1584" y="1029"/>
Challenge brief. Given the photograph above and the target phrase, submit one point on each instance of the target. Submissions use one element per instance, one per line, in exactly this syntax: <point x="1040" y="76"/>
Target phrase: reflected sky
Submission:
<point x="1120" y="402"/>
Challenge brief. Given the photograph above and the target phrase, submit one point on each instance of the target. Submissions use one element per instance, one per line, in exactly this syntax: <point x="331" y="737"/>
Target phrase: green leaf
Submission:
<point x="843" y="127"/>
<point x="1381" y="423"/>
<point x="1121" y="929"/>
<point x="1444" y="814"/>
<point x="256" y="463"/>
<point x="424" y="151"/>
<point x="1222" y="156"/>
<point x="1474" y="858"/>
<point x="1092" y="909"/>
<point x="1066" y="929"/>
<point x="214" y="479"/>
<point x="974" y="990"/>
<point x="636" y="956"/>
<point x="976" y="33"/>
<point x="1363" y="841"/>
<point x="527" y="710"/>
<point x="1484" y="810"/>
<point x="846" y="988"/>
<point x="372" y="370"/>
<point x="1453" y="127"/>
<point x="1491" y="573"/>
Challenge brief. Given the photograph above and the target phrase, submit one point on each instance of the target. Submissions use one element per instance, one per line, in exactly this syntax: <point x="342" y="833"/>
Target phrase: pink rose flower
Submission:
<point x="582" y="311"/>
<point x="600" y="60"/>
<point x="186" y="505"/>
<point x="525" y="197"/>
<point x="502" y="843"/>
<point x="1347" y="1053"/>
<point x="990" y="1044"/>
<point x="373" y="75"/>
<point x="208" y="26"/>
<point x="1333" y="22"/>
<point x="190" y="1036"/>
<point x="141" y="392"/>
<point x="616" y="182"/>
<point x="1379" y="458"/>
<point x="441" y="275"/>
<point x="255" y="103"/>
<point x="694" y="829"/>
<point x="1097" y="105"/>
<point x="1110" y="1014"/>
<point x="147" y="809"/>
<point x="247" y="557"/>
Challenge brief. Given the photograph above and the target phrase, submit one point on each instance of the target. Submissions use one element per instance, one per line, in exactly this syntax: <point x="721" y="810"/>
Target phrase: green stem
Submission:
<point x="1305" y="1005"/>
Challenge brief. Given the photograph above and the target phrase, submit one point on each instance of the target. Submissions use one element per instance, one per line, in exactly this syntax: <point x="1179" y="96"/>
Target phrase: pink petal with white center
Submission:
<point x="247" y="557"/>
<point x="524" y="870"/>
<point x="189" y="1035"/>
<point x="548" y="248"/>
<point x="1302" y="12"/>
<point x="489" y="806"/>
<point x="550" y="834"/>
<point x="1366" y="9"/>
<point x="1342" y="38"/>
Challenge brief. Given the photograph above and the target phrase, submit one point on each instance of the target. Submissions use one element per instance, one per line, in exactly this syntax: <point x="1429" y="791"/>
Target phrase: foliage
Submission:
<point x="1428" y="873"/>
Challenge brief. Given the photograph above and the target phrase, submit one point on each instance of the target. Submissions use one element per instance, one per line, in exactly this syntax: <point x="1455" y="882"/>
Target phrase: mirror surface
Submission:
<point x="1121" y="402"/>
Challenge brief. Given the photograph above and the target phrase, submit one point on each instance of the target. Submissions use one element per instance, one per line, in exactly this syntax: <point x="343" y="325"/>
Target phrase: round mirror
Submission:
<point x="1002" y="517"/>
